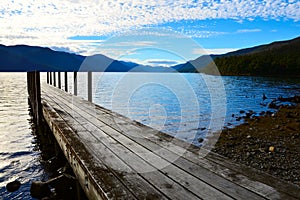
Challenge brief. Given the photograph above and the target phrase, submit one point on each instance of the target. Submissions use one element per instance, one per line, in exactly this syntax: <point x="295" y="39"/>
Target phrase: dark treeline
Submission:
<point x="279" y="59"/>
<point x="276" y="59"/>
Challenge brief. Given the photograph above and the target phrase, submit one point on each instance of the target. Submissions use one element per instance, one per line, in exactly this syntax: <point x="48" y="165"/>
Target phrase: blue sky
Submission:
<point x="114" y="28"/>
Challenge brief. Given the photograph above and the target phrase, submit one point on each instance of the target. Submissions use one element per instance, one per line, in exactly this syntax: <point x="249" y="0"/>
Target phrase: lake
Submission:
<point x="20" y="154"/>
<point x="187" y="106"/>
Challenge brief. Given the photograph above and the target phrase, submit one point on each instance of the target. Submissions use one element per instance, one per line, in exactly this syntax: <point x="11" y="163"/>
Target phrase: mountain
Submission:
<point x="28" y="58"/>
<point x="22" y="58"/>
<point x="101" y="63"/>
<point x="201" y="64"/>
<point x="277" y="58"/>
<point x="266" y="47"/>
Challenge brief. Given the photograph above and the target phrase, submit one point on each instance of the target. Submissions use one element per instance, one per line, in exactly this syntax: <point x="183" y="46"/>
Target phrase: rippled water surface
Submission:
<point x="177" y="104"/>
<point x="185" y="105"/>
<point x="19" y="154"/>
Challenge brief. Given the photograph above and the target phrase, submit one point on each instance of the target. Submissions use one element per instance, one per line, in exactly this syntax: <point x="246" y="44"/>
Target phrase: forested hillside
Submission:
<point x="275" y="59"/>
<point x="281" y="58"/>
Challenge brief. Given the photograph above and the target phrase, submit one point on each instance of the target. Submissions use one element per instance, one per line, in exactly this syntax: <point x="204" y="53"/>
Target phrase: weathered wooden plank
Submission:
<point x="201" y="173"/>
<point x="259" y="184"/>
<point x="96" y="180"/>
<point x="142" y="189"/>
<point x="197" y="171"/>
<point x="153" y="174"/>
<point x="154" y="140"/>
<point x="181" y="176"/>
<point x="226" y="170"/>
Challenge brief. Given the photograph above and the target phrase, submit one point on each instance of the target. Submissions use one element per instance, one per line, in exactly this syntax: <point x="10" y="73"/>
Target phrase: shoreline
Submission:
<point x="269" y="143"/>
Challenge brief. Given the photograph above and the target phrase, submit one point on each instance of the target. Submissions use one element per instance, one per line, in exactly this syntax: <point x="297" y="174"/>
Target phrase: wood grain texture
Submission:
<point x="123" y="159"/>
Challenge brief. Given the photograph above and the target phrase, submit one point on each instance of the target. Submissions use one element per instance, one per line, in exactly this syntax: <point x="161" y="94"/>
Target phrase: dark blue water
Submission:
<point x="19" y="152"/>
<point x="188" y="106"/>
<point x="178" y="104"/>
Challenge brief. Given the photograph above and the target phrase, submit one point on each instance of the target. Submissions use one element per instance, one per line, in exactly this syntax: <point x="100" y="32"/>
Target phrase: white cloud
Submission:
<point x="200" y="51"/>
<point x="155" y="62"/>
<point x="134" y="43"/>
<point x="47" y="23"/>
<point x="203" y="34"/>
<point x="162" y="62"/>
<point x="248" y="30"/>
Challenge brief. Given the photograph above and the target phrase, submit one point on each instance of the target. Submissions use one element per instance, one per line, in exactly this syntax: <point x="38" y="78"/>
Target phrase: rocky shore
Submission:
<point x="269" y="143"/>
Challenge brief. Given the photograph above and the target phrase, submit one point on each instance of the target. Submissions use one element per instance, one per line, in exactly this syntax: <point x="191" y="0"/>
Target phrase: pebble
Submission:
<point x="271" y="149"/>
<point x="13" y="186"/>
<point x="248" y="115"/>
<point x="200" y="140"/>
<point x="269" y="112"/>
<point x="39" y="190"/>
<point x="262" y="113"/>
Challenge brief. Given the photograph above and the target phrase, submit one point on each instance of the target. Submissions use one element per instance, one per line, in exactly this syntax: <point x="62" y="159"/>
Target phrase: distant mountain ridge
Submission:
<point x="29" y="58"/>
<point x="21" y="58"/>
<point x="277" y="58"/>
<point x="264" y="47"/>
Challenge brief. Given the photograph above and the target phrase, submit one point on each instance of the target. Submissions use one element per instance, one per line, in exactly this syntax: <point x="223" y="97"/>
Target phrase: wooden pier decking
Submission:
<point x="114" y="157"/>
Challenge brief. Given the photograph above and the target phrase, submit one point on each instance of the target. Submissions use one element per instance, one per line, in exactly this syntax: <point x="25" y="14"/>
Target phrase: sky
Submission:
<point x="148" y="32"/>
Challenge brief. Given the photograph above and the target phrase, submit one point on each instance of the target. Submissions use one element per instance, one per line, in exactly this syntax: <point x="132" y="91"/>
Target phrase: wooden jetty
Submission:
<point x="114" y="157"/>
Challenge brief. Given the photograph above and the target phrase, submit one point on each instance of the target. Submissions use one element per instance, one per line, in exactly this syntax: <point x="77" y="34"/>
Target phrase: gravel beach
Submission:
<point x="270" y="143"/>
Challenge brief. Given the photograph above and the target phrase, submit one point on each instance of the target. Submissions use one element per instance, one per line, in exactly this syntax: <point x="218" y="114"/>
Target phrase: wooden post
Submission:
<point x="54" y="79"/>
<point x="34" y="92"/>
<point x="90" y="85"/>
<point x="50" y="78"/>
<point x="28" y="83"/>
<point x="47" y="77"/>
<point x="38" y="97"/>
<point x="66" y="81"/>
<point x="75" y="83"/>
<point x="59" y="81"/>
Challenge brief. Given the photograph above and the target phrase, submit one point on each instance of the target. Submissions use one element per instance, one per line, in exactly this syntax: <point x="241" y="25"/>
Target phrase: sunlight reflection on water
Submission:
<point x="158" y="106"/>
<point x="18" y="158"/>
